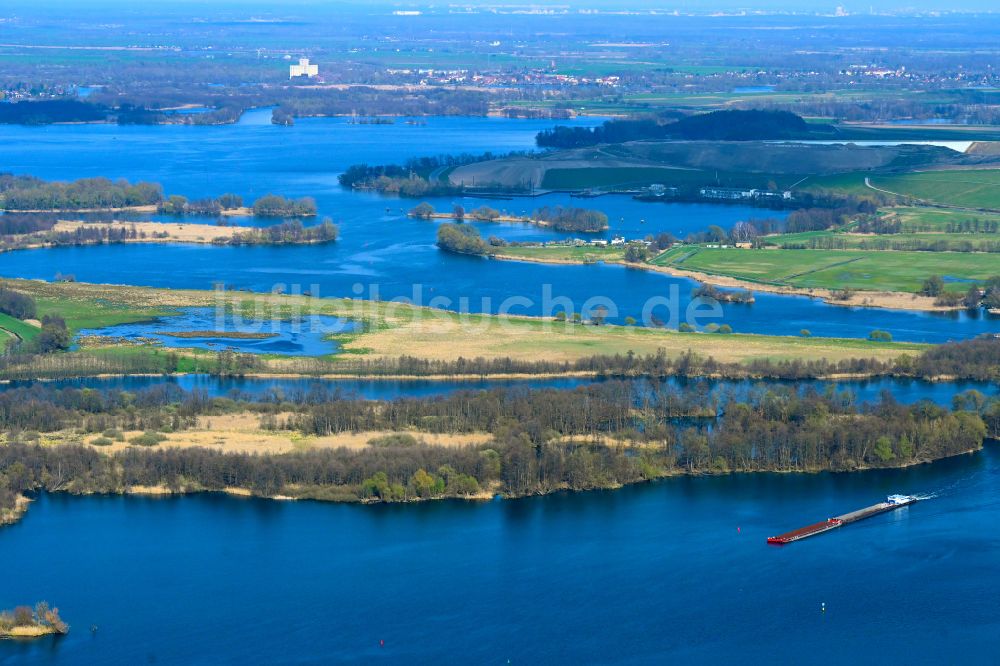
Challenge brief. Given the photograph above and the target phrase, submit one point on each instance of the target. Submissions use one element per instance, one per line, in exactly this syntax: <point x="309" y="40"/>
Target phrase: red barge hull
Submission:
<point x="804" y="532"/>
<point x="839" y="521"/>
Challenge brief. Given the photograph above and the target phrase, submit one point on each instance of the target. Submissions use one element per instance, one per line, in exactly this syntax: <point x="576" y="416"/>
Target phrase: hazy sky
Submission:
<point x="857" y="6"/>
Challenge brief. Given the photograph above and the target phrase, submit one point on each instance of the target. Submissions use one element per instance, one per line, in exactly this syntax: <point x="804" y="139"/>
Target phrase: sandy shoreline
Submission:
<point x="508" y="219"/>
<point x="176" y="232"/>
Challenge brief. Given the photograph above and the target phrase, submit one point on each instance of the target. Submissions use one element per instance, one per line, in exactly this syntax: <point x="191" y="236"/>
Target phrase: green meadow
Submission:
<point x="836" y="269"/>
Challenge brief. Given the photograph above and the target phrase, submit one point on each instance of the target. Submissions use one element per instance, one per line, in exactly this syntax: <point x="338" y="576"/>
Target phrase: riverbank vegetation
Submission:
<point x="77" y="233"/>
<point x="28" y="194"/>
<point x="272" y="205"/>
<point x="539" y="440"/>
<point x="33" y="194"/>
<point x="461" y="239"/>
<point x="570" y="218"/>
<point x="286" y="233"/>
<point x="560" y="218"/>
<point x="28" y="622"/>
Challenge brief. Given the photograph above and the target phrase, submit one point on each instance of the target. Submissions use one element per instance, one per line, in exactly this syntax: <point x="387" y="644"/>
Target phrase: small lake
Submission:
<point x="206" y="328"/>
<point x="671" y="572"/>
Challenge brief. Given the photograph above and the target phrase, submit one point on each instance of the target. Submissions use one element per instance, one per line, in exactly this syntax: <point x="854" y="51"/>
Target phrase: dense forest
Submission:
<point x="735" y="125"/>
<point x="30" y="193"/>
<point x="27" y="193"/>
<point x="542" y="440"/>
<point x="52" y="111"/>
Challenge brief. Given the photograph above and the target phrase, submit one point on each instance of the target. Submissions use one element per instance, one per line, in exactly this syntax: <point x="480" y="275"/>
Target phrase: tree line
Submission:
<point x="569" y="218"/>
<point x="177" y="204"/>
<point x="273" y="205"/>
<point x="977" y="359"/>
<point x="542" y="440"/>
<point x="30" y="193"/>
<point x="734" y="125"/>
<point x="286" y="233"/>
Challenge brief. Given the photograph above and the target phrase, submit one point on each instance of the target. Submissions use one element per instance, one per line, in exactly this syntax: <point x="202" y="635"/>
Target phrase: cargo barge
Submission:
<point x="891" y="503"/>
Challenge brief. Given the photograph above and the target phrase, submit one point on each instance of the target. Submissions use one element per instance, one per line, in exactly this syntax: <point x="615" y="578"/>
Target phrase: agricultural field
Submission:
<point x="922" y="219"/>
<point x="920" y="228"/>
<point x="970" y="188"/>
<point x="563" y="253"/>
<point x="836" y="269"/>
<point x="939" y="242"/>
<point x="12" y="329"/>
<point x="618" y="177"/>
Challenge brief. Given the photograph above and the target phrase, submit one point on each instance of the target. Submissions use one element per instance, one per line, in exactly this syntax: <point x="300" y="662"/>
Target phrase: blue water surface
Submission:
<point x="276" y="389"/>
<point x="305" y="335"/>
<point x="660" y="573"/>
<point x="386" y="255"/>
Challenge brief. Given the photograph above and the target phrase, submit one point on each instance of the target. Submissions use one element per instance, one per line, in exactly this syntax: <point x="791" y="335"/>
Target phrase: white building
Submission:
<point x="303" y="69"/>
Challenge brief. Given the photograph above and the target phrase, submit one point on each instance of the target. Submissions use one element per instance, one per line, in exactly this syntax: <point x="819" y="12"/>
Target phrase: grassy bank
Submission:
<point x="392" y="330"/>
<point x="12" y="329"/>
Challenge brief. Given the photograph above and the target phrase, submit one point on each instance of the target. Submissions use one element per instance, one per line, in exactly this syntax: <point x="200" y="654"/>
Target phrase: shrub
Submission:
<point x="101" y="441"/>
<point x="805" y="333"/>
<point x="394" y="440"/>
<point x="933" y="286"/>
<point x="423" y="211"/>
<point x="636" y="253"/>
<point x="725" y="329"/>
<point x="148" y="438"/>
<point x="23" y="616"/>
<point x="461" y="239"/>
<point x="686" y="328"/>
<point x="880" y="336"/>
<point x="485" y="214"/>
<point x="949" y="299"/>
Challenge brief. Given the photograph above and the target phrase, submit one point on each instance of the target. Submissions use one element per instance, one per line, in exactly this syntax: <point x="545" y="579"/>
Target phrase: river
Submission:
<point x="676" y="570"/>
<point x="665" y="572"/>
<point x="270" y="389"/>
<point x="382" y="253"/>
